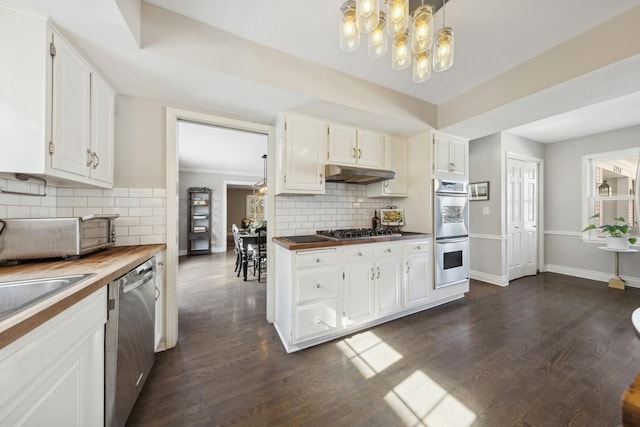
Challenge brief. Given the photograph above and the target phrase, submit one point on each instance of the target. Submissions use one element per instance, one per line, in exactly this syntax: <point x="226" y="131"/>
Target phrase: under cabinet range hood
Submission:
<point x="356" y="175"/>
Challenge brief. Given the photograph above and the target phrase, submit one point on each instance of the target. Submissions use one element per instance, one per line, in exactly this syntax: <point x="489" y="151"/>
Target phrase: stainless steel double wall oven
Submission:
<point x="451" y="230"/>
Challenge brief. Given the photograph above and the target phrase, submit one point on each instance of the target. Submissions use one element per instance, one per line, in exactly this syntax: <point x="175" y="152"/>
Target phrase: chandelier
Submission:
<point x="411" y="35"/>
<point x="260" y="187"/>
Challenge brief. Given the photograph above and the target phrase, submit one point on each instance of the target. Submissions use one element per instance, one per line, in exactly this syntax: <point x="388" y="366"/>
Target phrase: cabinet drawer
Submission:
<point x="385" y="250"/>
<point x="314" y="284"/>
<point x="416" y="248"/>
<point x="357" y="252"/>
<point x="315" y="320"/>
<point x="316" y="258"/>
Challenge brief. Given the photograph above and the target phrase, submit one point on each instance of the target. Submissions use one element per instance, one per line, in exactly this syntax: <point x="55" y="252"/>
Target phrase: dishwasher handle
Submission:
<point x="142" y="274"/>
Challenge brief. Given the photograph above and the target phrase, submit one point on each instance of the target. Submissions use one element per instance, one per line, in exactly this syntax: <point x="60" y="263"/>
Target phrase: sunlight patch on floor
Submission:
<point x="368" y="353"/>
<point x="420" y="401"/>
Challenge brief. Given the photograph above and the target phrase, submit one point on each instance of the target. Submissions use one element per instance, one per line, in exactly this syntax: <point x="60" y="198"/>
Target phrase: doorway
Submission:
<point x="522" y="213"/>
<point x="173" y="117"/>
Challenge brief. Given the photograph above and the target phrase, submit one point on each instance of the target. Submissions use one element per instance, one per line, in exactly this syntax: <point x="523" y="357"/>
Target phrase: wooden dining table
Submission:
<point x="247" y="239"/>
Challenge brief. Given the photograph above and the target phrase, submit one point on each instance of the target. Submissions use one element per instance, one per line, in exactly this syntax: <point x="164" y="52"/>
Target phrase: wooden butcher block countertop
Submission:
<point x="294" y="243"/>
<point x="104" y="266"/>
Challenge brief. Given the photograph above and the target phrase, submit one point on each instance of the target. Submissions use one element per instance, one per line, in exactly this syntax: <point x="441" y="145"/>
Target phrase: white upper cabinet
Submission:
<point x="301" y="143"/>
<point x="450" y="156"/>
<point x="60" y="120"/>
<point x="351" y="146"/>
<point x="395" y="159"/>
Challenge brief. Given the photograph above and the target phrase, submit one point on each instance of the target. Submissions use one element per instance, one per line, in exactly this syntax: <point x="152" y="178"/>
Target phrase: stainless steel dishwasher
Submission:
<point x="129" y="340"/>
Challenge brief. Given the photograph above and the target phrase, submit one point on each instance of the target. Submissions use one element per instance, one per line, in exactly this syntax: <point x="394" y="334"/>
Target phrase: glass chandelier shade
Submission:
<point x="401" y="52"/>
<point x="378" y="44"/>
<point x="367" y="14"/>
<point x="397" y="17"/>
<point x="349" y="32"/>
<point x="443" y="50"/>
<point x="422" y="66"/>
<point x="422" y="29"/>
<point x="411" y="34"/>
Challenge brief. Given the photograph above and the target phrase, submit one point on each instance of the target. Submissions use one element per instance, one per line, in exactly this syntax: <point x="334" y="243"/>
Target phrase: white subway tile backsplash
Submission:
<point x="92" y="192"/>
<point x="100" y="201"/>
<point x="142" y="211"/>
<point x="127" y="201"/>
<point x="140" y="192"/>
<point x="18" y="211"/>
<point x="343" y="206"/>
<point x="127" y="221"/>
<point x="128" y="241"/>
<point x="146" y="211"/>
<point x="116" y="192"/>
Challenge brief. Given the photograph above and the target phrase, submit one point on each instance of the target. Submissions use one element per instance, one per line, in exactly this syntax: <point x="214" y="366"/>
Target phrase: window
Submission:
<point x="611" y="189"/>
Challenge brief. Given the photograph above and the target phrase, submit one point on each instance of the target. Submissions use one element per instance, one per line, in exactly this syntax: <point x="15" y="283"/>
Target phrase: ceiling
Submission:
<point x="206" y="148"/>
<point x="251" y="59"/>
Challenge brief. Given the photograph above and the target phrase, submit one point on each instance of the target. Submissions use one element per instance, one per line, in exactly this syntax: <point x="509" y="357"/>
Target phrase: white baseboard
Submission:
<point x="489" y="278"/>
<point x="633" y="282"/>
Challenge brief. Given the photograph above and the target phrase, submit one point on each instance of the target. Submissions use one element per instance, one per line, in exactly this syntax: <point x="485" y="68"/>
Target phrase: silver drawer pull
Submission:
<point x="319" y="321"/>
<point x="317" y="260"/>
<point x="388" y="250"/>
<point x="317" y="285"/>
<point x="418" y="248"/>
<point x="359" y="253"/>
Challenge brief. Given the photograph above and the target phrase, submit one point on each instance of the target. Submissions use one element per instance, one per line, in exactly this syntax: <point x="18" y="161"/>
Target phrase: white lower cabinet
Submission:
<point x="54" y="375"/>
<point x="315" y="293"/>
<point x="418" y="275"/>
<point x="322" y="294"/>
<point x="388" y="283"/>
<point x="359" y="277"/>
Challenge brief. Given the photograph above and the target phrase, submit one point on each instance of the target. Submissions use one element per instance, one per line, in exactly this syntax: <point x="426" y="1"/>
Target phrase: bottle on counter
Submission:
<point x="375" y="221"/>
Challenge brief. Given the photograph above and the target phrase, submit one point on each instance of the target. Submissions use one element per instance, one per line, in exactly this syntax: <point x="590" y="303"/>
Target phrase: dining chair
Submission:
<point x="260" y="253"/>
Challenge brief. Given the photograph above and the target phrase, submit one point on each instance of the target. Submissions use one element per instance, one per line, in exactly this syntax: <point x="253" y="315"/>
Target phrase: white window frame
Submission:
<point x="590" y="192"/>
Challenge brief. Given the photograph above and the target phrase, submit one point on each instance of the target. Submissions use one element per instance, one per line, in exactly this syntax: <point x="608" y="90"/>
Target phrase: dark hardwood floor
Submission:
<point x="548" y="350"/>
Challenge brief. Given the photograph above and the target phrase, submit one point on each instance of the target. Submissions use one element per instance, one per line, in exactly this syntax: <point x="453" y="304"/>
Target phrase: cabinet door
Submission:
<point x="370" y="149"/>
<point x="458" y="154"/>
<point x="418" y="280"/>
<point x="358" y="292"/>
<point x="71" y="110"/>
<point x="102" y="130"/>
<point x="388" y="282"/>
<point x="396" y="160"/>
<point x="441" y="159"/>
<point x="305" y="143"/>
<point x="342" y="145"/>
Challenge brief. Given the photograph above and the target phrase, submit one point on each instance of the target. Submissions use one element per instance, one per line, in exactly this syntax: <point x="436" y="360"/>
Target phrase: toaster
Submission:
<point x="42" y="238"/>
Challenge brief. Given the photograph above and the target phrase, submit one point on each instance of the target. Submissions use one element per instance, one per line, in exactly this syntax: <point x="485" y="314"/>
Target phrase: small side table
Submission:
<point x="616" y="282"/>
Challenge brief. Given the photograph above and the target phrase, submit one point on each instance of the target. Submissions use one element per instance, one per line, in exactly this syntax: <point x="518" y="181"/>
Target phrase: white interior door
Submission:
<point x="522" y="218"/>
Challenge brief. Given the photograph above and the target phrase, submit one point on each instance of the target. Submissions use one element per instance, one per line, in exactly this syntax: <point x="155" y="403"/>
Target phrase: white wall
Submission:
<point x="218" y="211"/>
<point x="487" y="243"/>
<point x="565" y="251"/>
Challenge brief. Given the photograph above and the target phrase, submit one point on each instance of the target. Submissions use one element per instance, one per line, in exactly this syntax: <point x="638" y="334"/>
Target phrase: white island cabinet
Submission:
<point x="59" y="117"/>
<point x="326" y="293"/>
<point x="54" y="375"/>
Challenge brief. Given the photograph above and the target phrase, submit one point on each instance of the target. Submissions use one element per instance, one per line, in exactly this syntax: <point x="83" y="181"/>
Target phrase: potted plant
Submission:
<point x="618" y="232"/>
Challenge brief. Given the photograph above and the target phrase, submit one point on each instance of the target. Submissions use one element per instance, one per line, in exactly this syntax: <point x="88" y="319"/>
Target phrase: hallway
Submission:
<point x="547" y="350"/>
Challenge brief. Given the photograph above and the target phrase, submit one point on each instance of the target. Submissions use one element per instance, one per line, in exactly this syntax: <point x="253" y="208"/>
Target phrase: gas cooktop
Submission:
<point x="356" y="233"/>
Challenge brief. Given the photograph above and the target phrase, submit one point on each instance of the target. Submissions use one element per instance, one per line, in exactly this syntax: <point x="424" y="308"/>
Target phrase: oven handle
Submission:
<point x="444" y="193"/>
<point x="445" y="240"/>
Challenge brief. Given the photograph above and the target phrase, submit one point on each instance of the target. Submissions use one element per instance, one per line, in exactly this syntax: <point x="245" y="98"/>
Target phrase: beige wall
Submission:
<point x="140" y="147"/>
<point x="236" y="206"/>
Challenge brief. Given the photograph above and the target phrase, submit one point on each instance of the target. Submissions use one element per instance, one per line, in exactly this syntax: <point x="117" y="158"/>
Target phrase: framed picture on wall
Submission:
<point x="479" y="191"/>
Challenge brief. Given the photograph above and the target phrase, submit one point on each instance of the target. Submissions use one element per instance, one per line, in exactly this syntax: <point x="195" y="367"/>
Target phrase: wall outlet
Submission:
<point x="485" y="210"/>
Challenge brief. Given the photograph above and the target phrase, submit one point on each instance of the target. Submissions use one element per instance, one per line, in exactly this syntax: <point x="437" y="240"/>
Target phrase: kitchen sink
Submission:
<point x="19" y="295"/>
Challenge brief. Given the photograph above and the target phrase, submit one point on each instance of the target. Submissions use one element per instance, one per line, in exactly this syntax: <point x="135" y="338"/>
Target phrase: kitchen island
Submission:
<point x="328" y="288"/>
